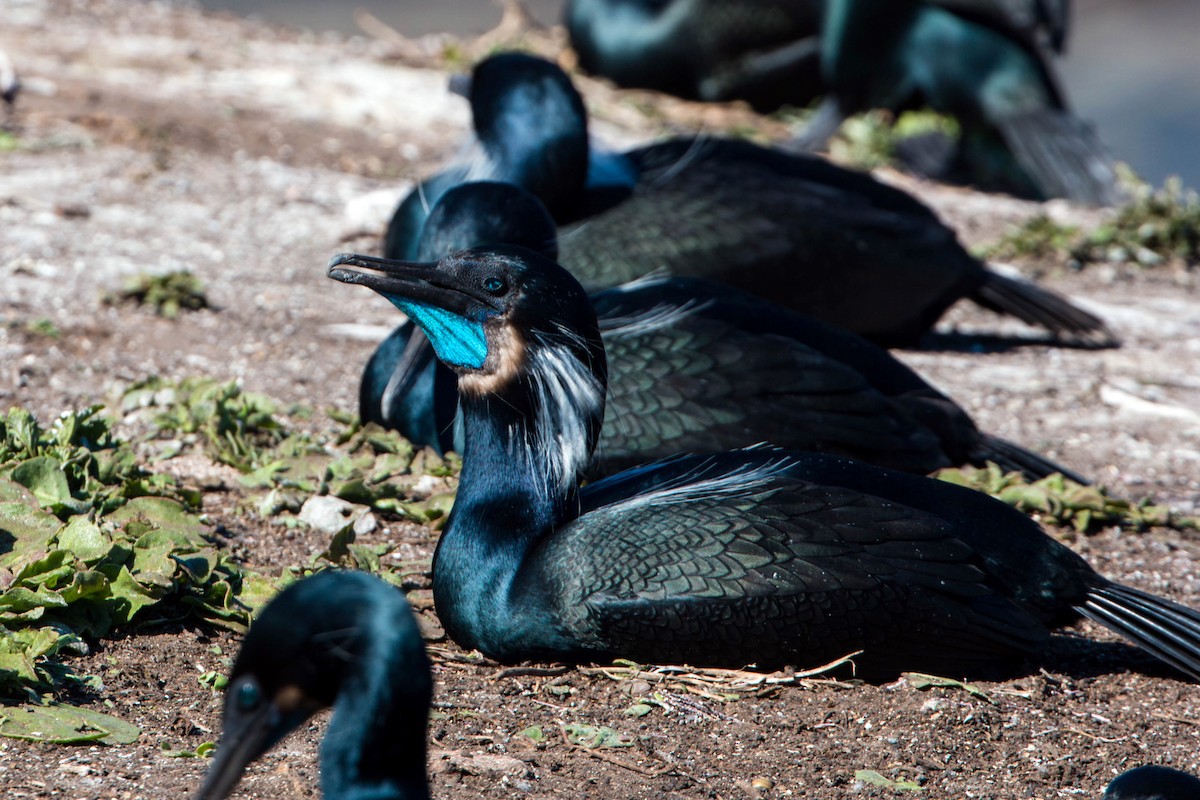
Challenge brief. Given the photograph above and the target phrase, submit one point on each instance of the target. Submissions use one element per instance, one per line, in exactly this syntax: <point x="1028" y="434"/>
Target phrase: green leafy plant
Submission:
<point x="75" y="465"/>
<point x="1157" y="226"/>
<point x="1038" y="238"/>
<point x="871" y="140"/>
<point x="91" y="542"/>
<point x="167" y="294"/>
<point x="593" y="737"/>
<point x="236" y="428"/>
<point x="67" y="583"/>
<point x="365" y="465"/>
<point x="874" y="778"/>
<point x="1060" y="501"/>
<point x="203" y="750"/>
<point x="43" y="327"/>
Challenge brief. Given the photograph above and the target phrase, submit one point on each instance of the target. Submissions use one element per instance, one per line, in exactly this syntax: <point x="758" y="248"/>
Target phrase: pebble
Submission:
<point x="327" y="514"/>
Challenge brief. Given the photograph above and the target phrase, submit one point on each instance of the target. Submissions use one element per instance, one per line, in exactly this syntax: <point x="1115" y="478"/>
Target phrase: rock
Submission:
<point x="328" y="514"/>
<point x="365" y="524"/>
<point x="488" y="765"/>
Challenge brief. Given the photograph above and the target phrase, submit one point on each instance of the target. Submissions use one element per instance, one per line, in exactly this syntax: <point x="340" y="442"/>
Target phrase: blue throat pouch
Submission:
<point x="458" y="341"/>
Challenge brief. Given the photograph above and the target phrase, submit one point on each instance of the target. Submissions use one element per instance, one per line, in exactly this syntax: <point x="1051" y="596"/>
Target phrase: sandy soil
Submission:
<point x="164" y="139"/>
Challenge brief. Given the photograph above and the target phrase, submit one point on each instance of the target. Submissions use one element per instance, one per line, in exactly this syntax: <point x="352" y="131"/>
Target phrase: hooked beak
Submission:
<point x="409" y="280"/>
<point x="246" y="737"/>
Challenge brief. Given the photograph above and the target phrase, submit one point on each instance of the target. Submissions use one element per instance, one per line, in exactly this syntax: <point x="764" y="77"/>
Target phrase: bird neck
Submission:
<point x="526" y="445"/>
<point x="532" y="437"/>
<point x="544" y="151"/>
<point x="375" y="748"/>
<point x="855" y="38"/>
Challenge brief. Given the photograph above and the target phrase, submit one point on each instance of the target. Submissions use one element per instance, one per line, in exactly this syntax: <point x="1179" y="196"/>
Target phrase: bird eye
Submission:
<point x="496" y="286"/>
<point x="248" y="696"/>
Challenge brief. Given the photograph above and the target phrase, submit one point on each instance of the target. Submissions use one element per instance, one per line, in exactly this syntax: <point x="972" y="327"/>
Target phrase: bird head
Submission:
<point x="487" y="212"/>
<point x="401" y="387"/>
<point x="299" y="654"/>
<point x="532" y="122"/>
<point x="487" y="311"/>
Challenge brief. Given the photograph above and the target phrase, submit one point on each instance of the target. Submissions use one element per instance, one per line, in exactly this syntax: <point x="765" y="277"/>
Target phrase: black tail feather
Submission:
<point x="1011" y="457"/>
<point x="1062" y="156"/>
<point x="1165" y="629"/>
<point x="1031" y="303"/>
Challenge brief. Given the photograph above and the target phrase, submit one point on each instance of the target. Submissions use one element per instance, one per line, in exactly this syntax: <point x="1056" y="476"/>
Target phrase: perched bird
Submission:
<point x="978" y="61"/>
<point x="693" y="366"/>
<point x="1153" y="783"/>
<point x="766" y="52"/>
<point x="835" y="244"/>
<point x="341" y="639"/>
<point x="761" y="555"/>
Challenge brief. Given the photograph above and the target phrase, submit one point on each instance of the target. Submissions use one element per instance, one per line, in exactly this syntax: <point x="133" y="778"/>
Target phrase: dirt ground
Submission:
<point x="156" y="138"/>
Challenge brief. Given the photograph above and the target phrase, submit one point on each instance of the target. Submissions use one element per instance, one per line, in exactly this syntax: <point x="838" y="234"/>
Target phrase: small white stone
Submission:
<point x="327" y="514"/>
<point x="365" y="524"/>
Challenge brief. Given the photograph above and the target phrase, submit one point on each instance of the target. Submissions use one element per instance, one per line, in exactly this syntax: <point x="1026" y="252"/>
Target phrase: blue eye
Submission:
<point x="495" y="286"/>
<point x="249" y="696"/>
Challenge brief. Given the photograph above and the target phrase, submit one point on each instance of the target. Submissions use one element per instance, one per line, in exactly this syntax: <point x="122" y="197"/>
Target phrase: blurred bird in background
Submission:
<point x="987" y="63"/>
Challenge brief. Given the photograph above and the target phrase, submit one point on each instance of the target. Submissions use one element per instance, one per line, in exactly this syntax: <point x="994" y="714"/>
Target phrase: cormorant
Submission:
<point x="970" y="60"/>
<point x="693" y="366"/>
<point x="341" y="639"/>
<point x="766" y="52"/>
<point x="1153" y="783"/>
<point x="766" y="556"/>
<point x="832" y="243"/>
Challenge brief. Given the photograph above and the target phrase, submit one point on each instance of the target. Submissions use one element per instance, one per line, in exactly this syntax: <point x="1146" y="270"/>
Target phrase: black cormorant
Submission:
<point x="970" y="60"/>
<point x="829" y="242"/>
<point x="766" y="52"/>
<point x="341" y="639"/>
<point x="766" y="556"/>
<point x="693" y="367"/>
<point x="1153" y="783"/>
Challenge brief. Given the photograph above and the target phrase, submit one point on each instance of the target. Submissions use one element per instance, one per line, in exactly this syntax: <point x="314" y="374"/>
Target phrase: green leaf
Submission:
<point x="18" y="599"/>
<point x="84" y="538"/>
<point x="594" y="737"/>
<point x="48" y="569"/>
<point x="203" y="750"/>
<point x="132" y="595"/>
<point x="920" y="680"/>
<point x="26" y="532"/>
<point x="213" y="680"/>
<point x="160" y="512"/>
<point x="86" y="584"/>
<point x="533" y="733"/>
<point x="44" y="476"/>
<point x="63" y="724"/>
<point x="13" y="492"/>
<point x="873" y="778"/>
<point x="257" y="590"/>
